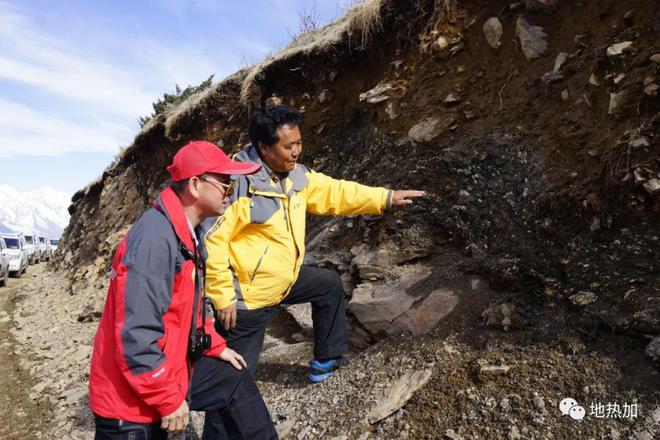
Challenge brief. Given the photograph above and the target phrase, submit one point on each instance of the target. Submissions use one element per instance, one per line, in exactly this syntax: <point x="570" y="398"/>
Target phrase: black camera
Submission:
<point x="201" y="342"/>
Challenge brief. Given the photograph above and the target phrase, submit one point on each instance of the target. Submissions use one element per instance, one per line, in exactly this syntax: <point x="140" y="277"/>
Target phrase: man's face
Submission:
<point x="213" y="193"/>
<point x="282" y="156"/>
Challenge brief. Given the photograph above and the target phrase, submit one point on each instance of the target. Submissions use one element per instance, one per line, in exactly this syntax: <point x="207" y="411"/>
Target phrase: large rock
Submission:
<point x="302" y="314"/>
<point x="372" y="264"/>
<point x="652" y="186"/>
<point x="492" y="30"/>
<point x="618" y="101"/>
<point x="398" y="394"/>
<point x="425" y="317"/>
<point x="532" y="39"/>
<point x="376" y="306"/>
<point x="426" y="130"/>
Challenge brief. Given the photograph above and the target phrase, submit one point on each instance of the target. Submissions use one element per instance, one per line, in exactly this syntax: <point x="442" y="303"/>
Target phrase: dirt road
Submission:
<point x="21" y="416"/>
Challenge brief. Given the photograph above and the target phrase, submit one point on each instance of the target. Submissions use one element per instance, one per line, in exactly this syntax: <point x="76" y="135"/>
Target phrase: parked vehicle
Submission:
<point x="46" y="252"/>
<point x="4" y="263"/>
<point x="54" y="242"/>
<point x="17" y="253"/>
<point x="32" y="248"/>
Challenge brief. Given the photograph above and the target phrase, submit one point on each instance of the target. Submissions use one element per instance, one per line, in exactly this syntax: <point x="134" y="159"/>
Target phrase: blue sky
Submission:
<point x="76" y="75"/>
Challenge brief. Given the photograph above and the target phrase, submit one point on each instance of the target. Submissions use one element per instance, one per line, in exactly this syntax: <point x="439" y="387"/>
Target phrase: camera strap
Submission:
<point x="199" y="286"/>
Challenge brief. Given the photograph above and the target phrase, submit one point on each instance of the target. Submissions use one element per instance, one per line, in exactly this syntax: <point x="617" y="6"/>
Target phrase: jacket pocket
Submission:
<point x="261" y="259"/>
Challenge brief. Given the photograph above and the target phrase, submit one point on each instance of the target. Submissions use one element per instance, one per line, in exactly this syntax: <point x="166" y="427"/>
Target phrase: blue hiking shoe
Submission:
<point x="321" y="370"/>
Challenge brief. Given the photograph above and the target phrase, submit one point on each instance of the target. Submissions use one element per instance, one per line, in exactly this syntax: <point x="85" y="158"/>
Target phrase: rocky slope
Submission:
<point x="528" y="275"/>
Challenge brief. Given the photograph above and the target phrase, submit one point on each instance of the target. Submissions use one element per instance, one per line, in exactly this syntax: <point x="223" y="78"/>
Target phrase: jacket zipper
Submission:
<point x="254" y="273"/>
<point x="286" y="216"/>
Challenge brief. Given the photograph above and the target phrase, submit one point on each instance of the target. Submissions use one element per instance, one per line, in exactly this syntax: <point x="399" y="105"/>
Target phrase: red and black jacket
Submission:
<point x="140" y="370"/>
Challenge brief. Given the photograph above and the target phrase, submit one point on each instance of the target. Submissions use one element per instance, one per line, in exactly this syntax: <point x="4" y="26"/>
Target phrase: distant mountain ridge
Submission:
<point x="43" y="210"/>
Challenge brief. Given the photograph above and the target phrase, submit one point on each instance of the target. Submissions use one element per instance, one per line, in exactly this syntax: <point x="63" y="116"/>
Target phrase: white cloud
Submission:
<point x="25" y="131"/>
<point x="111" y="93"/>
<point x="37" y="59"/>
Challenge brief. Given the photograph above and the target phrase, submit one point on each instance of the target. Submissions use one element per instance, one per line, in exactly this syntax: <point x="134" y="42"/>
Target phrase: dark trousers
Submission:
<point x="322" y="288"/>
<point x="226" y="393"/>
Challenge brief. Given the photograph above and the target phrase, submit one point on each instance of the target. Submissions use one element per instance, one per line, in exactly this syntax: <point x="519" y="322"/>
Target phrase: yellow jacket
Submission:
<point x="256" y="248"/>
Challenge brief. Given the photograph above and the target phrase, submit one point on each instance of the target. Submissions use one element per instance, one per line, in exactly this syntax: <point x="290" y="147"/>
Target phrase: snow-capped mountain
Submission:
<point x="42" y="211"/>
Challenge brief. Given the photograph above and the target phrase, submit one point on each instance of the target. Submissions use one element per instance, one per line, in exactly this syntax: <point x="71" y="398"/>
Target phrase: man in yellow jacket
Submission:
<point x="256" y="249"/>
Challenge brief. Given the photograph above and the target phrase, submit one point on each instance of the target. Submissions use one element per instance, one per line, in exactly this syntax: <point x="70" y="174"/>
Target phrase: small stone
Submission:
<point x="651" y="90"/>
<point x="505" y="405"/>
<point x="391" y="111"/>
<point x="565" y="96"/>
<point x="514" y="433"/>
<point x="88" y="314"/>
<point x="40" y="387"/>
<point x="324" y="96"/>
<point x="643" y="435"/>
<point x="619" y="78"/>
<point x="655" y="58"/>
<point x="441" y="43"/>
<point x="583" y="298"/>
<point x="552" y="76"/>
<point x="82" y="353"/>
<point x="532" y="39"/>
<point x="652" y="186"/>
<point x="460" y="68"/>
<point x="593" y="80"/>
<point x="486" y="371"/>
<point x="560" y="60"/>
<point x="450" y="434"/>
<point x="640" y="142"/>
<point x="377" y="94"/>
<point x="618" y="101"/>
<point x="73" y="395"/>
<point x="538" y="402"/>
<point x="655" y="416"/>
<point x="618" y="49"/>
<point x="648" y="80"/>
<point x="452" y="99"/>
<point x="492" y="30"/>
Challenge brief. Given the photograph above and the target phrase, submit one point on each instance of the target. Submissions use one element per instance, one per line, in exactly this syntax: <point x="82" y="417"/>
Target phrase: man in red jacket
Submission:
<point x="156" y="354"/>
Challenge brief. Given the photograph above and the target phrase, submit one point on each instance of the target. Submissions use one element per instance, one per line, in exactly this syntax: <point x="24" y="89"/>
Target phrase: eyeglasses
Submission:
<point x="227" y="188"/>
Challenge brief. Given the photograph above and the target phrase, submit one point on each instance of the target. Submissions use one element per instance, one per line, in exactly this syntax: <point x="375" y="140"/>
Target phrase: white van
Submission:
<point x="4" y="263"/>
<point x="18" y="255"/>
<point x="32" y="248"/>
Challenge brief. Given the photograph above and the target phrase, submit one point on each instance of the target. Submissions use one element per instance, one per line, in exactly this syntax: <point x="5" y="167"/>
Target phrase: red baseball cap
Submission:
<point x="199" y="157"/>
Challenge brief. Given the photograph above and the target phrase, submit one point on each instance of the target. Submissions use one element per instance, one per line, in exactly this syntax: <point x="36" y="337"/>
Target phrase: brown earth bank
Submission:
<point x="530" y="272"/>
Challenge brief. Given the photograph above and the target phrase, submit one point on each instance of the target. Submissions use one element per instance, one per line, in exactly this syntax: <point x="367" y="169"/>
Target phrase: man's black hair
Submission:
<point x="266" y="121"/>
<point x="179" y="187"/>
